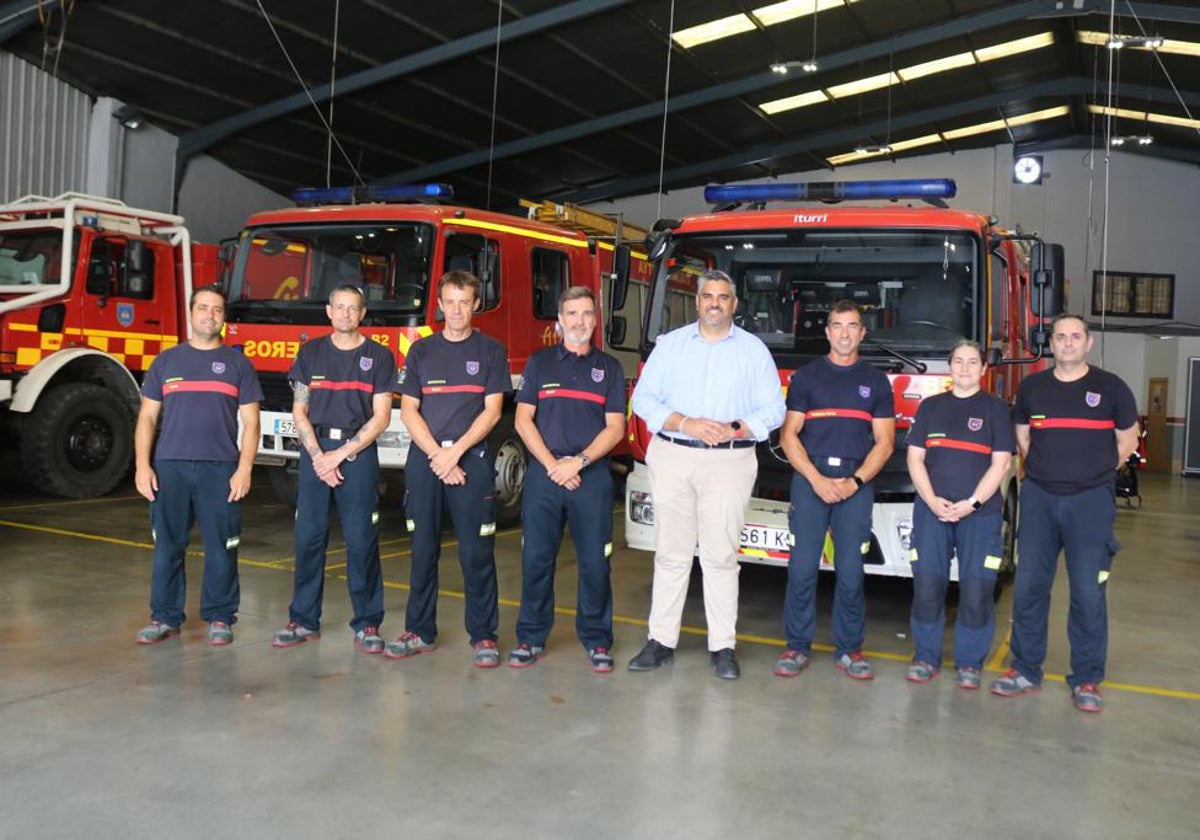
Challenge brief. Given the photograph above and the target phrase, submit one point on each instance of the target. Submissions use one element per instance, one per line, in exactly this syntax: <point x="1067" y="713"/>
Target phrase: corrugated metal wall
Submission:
<point x="43" y="132"/>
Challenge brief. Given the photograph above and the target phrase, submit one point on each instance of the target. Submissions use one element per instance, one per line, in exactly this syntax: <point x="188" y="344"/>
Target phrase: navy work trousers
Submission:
<point x="357" y="501"/>
<point x="1081" y="525"/>
<point x="191" y="492"/>
<point x="472" y="511"/>
<point x="850" y="522"/>
<point x="546" y="508"/>
<point x="978" y="543"/>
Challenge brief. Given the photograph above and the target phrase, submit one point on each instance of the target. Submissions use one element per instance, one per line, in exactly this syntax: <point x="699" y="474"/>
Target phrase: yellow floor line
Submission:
<point x="1001" y="652"/>
<point x="70" y="502"/>
<point x="996" y="663"/>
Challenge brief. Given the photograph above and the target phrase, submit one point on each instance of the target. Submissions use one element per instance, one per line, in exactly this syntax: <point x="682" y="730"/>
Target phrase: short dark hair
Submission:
<point x="352" y="289"/>
<point x="461" y="279"/>
<point x="211" y="289"/>
<point x="966" y="342"/>
<point x="846" y="306"/>
<point x="575" y="293"/>
<point x="1065" y="316"/>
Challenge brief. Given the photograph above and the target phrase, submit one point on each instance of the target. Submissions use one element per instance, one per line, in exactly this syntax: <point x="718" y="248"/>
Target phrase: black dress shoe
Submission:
<point x="725" y="664"/>
<point x="652" y="656"/>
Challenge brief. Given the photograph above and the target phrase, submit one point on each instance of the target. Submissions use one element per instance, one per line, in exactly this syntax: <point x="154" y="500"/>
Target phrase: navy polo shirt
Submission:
<point x="343" y="384"/>
<point x="1072" y="428"/>
<point x="201" y="391"/>
<point x="839" y="403"/>
<point x="959" y="435"/>
<point x="572" y="393"/>
<point x="451" y="379"/>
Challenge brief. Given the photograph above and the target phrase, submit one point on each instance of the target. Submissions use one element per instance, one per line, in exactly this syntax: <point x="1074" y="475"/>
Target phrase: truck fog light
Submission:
<point x="904" y="532"/>
<point x="641" y="508"/>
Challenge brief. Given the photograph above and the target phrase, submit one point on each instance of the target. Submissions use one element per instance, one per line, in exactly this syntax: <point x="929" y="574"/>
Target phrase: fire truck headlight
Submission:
<point x="641" y="508"/>
<point x="904" y="532"/>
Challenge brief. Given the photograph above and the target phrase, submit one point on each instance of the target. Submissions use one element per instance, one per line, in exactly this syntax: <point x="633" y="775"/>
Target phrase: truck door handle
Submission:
<point x="154" y="321"/>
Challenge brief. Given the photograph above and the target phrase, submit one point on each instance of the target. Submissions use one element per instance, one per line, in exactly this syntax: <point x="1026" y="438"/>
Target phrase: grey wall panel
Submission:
<point x="43" y="132"/>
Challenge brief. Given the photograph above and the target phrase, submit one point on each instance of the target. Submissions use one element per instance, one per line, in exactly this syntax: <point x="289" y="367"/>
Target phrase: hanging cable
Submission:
<point x="337" y="15"/>
<point x="495" y="100"/>
<point x="303" y="86"/>
<point x="662" y="144"/>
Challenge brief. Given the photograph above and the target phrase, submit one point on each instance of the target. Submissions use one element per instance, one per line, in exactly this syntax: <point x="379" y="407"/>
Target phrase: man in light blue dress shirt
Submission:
<point x="709" y="392"/>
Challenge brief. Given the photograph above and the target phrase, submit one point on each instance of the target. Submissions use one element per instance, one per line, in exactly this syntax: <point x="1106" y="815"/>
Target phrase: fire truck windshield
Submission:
<point x="285" y="273"/>
<point x="919" y="290"/>
<point x="30" y="258"/>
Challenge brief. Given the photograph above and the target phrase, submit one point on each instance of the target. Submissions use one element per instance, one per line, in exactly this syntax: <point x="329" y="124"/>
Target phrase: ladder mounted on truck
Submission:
<point x="597" y="225"/>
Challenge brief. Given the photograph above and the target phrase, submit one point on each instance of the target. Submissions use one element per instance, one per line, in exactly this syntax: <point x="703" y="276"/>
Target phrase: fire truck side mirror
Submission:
<point x="620" y="278"/>
<point x="994" y="357"/>
<point x="1039" y="339"/>
<point x="1047" y="269"/>
<point x="616" y="331"/>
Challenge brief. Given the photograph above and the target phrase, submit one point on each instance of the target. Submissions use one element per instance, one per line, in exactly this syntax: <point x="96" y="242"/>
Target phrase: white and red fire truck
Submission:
<point x="288" y="261"/>
<point x="90" y="292"/>
<point x="924" y="276"/>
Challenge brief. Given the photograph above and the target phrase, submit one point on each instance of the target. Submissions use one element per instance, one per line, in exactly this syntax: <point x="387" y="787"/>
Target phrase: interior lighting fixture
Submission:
<point x="1120" y="42"/>
<point x="1165" y="45"/>
<point x="1138" y="139"/>
<point x="769" y="15"/>
<point x="1145" y="116"/>
<point x="782" y="67"/>
<point x="908" y="74"/>
<point x="127" y="116"/>
<point x="883" y="149"/>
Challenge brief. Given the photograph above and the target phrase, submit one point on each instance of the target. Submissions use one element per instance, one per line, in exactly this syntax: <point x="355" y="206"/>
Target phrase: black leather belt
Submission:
<point x="334" y="433"/>
<point x="699" y="444"/>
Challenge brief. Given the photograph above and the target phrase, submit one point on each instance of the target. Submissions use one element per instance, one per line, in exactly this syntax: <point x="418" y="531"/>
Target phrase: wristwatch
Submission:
<point x="858" y="481"/>
<point x="975" y="503"/>
<point x="583" y="460"/>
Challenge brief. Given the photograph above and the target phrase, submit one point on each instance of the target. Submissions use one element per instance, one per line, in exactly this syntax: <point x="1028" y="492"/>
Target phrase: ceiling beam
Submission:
<point x="1086" y="141"/>
<point x="200" y="139"/>
<point x="1145" y="11"/>
<point x="837" y="137"/>
<point x="1008" y="13"/>
<point x="19" y="15"/>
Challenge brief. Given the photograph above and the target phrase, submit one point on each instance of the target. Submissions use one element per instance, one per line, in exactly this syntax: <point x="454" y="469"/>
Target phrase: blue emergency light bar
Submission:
<point x="368" y="194"/>
<point x="831" y="190"/>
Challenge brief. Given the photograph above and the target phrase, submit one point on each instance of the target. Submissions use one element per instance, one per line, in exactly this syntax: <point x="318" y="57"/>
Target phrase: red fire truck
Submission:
<point x="90" y="292"/>
<point x="924" y="276"/>
<point x="288" y="261"/>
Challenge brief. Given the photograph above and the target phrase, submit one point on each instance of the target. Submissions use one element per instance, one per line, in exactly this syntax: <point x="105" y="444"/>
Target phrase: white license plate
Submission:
<point x="765" y="539"/>
<point x="285" y="427"/>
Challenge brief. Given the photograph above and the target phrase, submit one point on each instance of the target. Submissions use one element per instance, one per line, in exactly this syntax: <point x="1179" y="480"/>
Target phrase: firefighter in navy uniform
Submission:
<point x="1075" y="426"/>
<point x="570" y="413"/>
<point x="959" y="451"/>
<point x="839" y="432"/>
<point x="197" y="473"/>
<point x="451" y="396"/>
<point x="342" y="402"/>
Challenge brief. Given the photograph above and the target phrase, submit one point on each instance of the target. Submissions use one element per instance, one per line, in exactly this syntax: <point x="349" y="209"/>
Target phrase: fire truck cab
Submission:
<point x="90" y="292"/>
<point x="288" y="262"/>
<point x="923" y="276"/>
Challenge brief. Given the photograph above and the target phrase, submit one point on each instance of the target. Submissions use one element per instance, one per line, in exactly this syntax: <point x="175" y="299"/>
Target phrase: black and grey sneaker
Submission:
<point x="653" y="655"/>
<point x="156" y="632"/>
<point x="294" y="634"/>
<point x="522" y="656"/>
<point x="725" y="665"/>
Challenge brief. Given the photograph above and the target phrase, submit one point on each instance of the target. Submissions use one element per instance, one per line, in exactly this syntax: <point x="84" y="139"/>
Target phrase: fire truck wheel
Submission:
<point x="78" y="441"/>
<point x="511" y="459"/>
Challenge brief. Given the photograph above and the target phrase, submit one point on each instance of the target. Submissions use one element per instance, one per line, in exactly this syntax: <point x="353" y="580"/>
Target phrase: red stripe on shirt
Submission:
<point x="949" y="443"/>
<point x="1071" y="423"/>
<point x="452" y="389"/>
<point x="202" y="386"/>
<point x="844" y="413"/>
<point x="330" y="385"/>
<point x="567" y="393"/>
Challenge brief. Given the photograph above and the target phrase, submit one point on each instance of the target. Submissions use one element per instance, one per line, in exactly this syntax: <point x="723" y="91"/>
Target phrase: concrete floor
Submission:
<point x="100" y="737"/>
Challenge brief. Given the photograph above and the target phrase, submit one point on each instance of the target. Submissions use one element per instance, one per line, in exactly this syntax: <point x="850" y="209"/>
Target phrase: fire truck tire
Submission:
<point x="78" y="441"/>
<point x="511" y="460"/>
